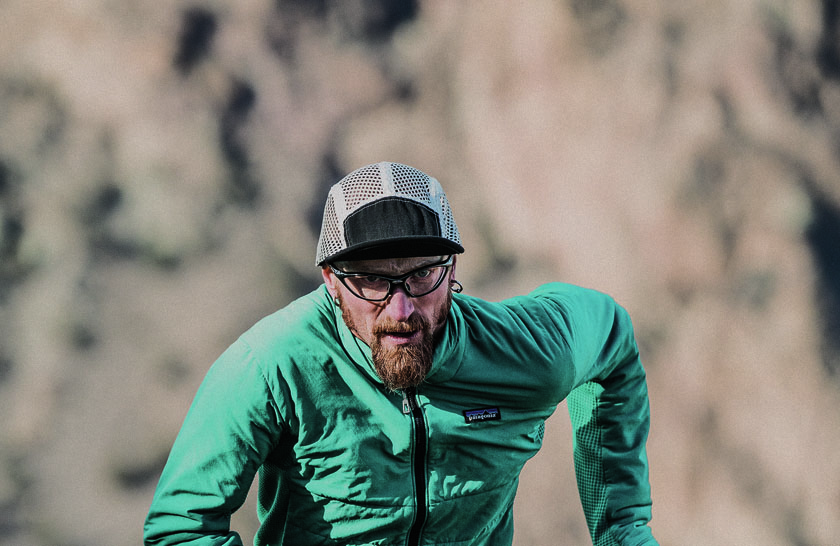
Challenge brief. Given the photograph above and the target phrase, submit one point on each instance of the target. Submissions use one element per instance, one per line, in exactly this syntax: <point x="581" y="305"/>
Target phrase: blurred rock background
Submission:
<point x="163" y="167"/>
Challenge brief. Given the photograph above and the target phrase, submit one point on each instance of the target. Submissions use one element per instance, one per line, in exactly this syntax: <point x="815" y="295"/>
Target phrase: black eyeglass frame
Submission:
<point x="393" y="281"/>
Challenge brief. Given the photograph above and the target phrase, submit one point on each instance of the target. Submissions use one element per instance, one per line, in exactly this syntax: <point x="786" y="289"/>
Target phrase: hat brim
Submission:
<point x="397" y="247"/>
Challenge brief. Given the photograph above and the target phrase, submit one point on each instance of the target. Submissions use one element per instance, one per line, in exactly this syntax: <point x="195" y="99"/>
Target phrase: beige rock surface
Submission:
<point x="163" y="166"/>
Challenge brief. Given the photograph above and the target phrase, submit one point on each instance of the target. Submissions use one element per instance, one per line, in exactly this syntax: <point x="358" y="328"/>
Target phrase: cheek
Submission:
<point x="437" y="312"/>
<point x="357" y="318"/>
<point x="365" y="326"/>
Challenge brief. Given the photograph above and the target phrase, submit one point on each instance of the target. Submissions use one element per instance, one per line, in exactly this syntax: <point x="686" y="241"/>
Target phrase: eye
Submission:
<point x="423" y="274"/>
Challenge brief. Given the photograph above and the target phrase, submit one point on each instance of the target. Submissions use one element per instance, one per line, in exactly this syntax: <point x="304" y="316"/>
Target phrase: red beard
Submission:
<point x="406" y="365"/>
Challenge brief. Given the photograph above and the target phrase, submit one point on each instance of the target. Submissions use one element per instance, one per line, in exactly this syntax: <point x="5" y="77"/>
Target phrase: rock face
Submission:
<point x="162" y="172"/>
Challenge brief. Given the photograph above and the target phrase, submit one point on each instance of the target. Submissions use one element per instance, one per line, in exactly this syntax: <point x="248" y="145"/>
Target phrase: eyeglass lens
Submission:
<point x="419" y="283"/>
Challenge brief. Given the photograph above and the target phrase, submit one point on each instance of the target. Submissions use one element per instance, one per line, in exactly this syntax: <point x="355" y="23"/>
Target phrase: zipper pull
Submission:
<point x="408" y="400"/>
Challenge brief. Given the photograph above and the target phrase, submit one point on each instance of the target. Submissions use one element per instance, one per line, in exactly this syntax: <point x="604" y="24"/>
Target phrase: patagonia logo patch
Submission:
<point x="483" y="414"/>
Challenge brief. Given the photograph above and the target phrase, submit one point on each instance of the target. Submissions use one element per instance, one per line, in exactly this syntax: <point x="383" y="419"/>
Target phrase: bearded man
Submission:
<point x="388" y="408"/>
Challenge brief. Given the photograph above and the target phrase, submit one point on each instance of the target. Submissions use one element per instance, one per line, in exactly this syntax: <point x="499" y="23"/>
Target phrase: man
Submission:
<point x="388" y="408"/>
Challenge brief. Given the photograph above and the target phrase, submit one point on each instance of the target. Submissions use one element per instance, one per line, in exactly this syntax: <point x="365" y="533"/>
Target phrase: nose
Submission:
<point x="399" y="305"/>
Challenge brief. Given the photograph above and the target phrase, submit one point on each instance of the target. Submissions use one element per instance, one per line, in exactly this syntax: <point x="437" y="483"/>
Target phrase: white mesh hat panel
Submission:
<point x="371" y="183"/>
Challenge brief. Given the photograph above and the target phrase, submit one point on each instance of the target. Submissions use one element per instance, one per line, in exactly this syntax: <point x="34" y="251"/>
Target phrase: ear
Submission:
<point x="330" y="279"/>
<point x="452" y="267"/>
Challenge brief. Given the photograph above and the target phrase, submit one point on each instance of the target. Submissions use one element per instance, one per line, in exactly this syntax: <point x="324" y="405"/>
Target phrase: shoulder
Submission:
<point x="569" y="294"/>
<point x="556" y="311"/>
<point x="302" y="321"/>
<point x="537" y="316"/>
<point x="574" y="303"/>
<point x="550" y="298"/>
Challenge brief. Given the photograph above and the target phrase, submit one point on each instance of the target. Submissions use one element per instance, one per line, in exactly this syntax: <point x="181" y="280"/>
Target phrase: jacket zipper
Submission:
<point x="411" y="407"/>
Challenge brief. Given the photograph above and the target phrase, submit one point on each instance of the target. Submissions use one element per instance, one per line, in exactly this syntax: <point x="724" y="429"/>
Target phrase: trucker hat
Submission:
<point x="386" y="210"/>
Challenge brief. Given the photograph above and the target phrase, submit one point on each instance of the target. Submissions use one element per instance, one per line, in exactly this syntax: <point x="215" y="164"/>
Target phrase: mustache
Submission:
<point x="390" y="326"/>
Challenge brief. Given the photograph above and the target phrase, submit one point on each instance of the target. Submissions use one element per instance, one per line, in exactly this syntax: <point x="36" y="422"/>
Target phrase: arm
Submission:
<point x="610" y="422"/>
<point x="231" y="427"/>
<point x="610" y="417"/>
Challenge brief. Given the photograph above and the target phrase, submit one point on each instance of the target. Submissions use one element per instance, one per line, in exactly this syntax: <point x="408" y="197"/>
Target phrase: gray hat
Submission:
<point x="386" y="210"/>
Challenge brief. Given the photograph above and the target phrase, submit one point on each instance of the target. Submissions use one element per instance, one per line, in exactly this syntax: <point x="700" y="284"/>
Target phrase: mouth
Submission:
<point x="400" y="338"/>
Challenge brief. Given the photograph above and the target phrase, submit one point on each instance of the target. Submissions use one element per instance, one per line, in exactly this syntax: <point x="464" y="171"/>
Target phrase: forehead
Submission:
<point x="389" y="266"/>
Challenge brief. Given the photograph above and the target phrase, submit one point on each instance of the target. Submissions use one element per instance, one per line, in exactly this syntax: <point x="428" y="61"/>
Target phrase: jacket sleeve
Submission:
<point x="610" y="418"/>
<point x="229" y="430"/>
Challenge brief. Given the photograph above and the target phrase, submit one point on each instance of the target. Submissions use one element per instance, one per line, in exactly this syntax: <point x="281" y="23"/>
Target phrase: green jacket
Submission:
<point x="343" y="461"/>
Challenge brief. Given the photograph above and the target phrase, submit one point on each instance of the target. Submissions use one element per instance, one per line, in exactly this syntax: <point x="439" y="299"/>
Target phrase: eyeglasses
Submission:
<point x="416" y="283"/>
